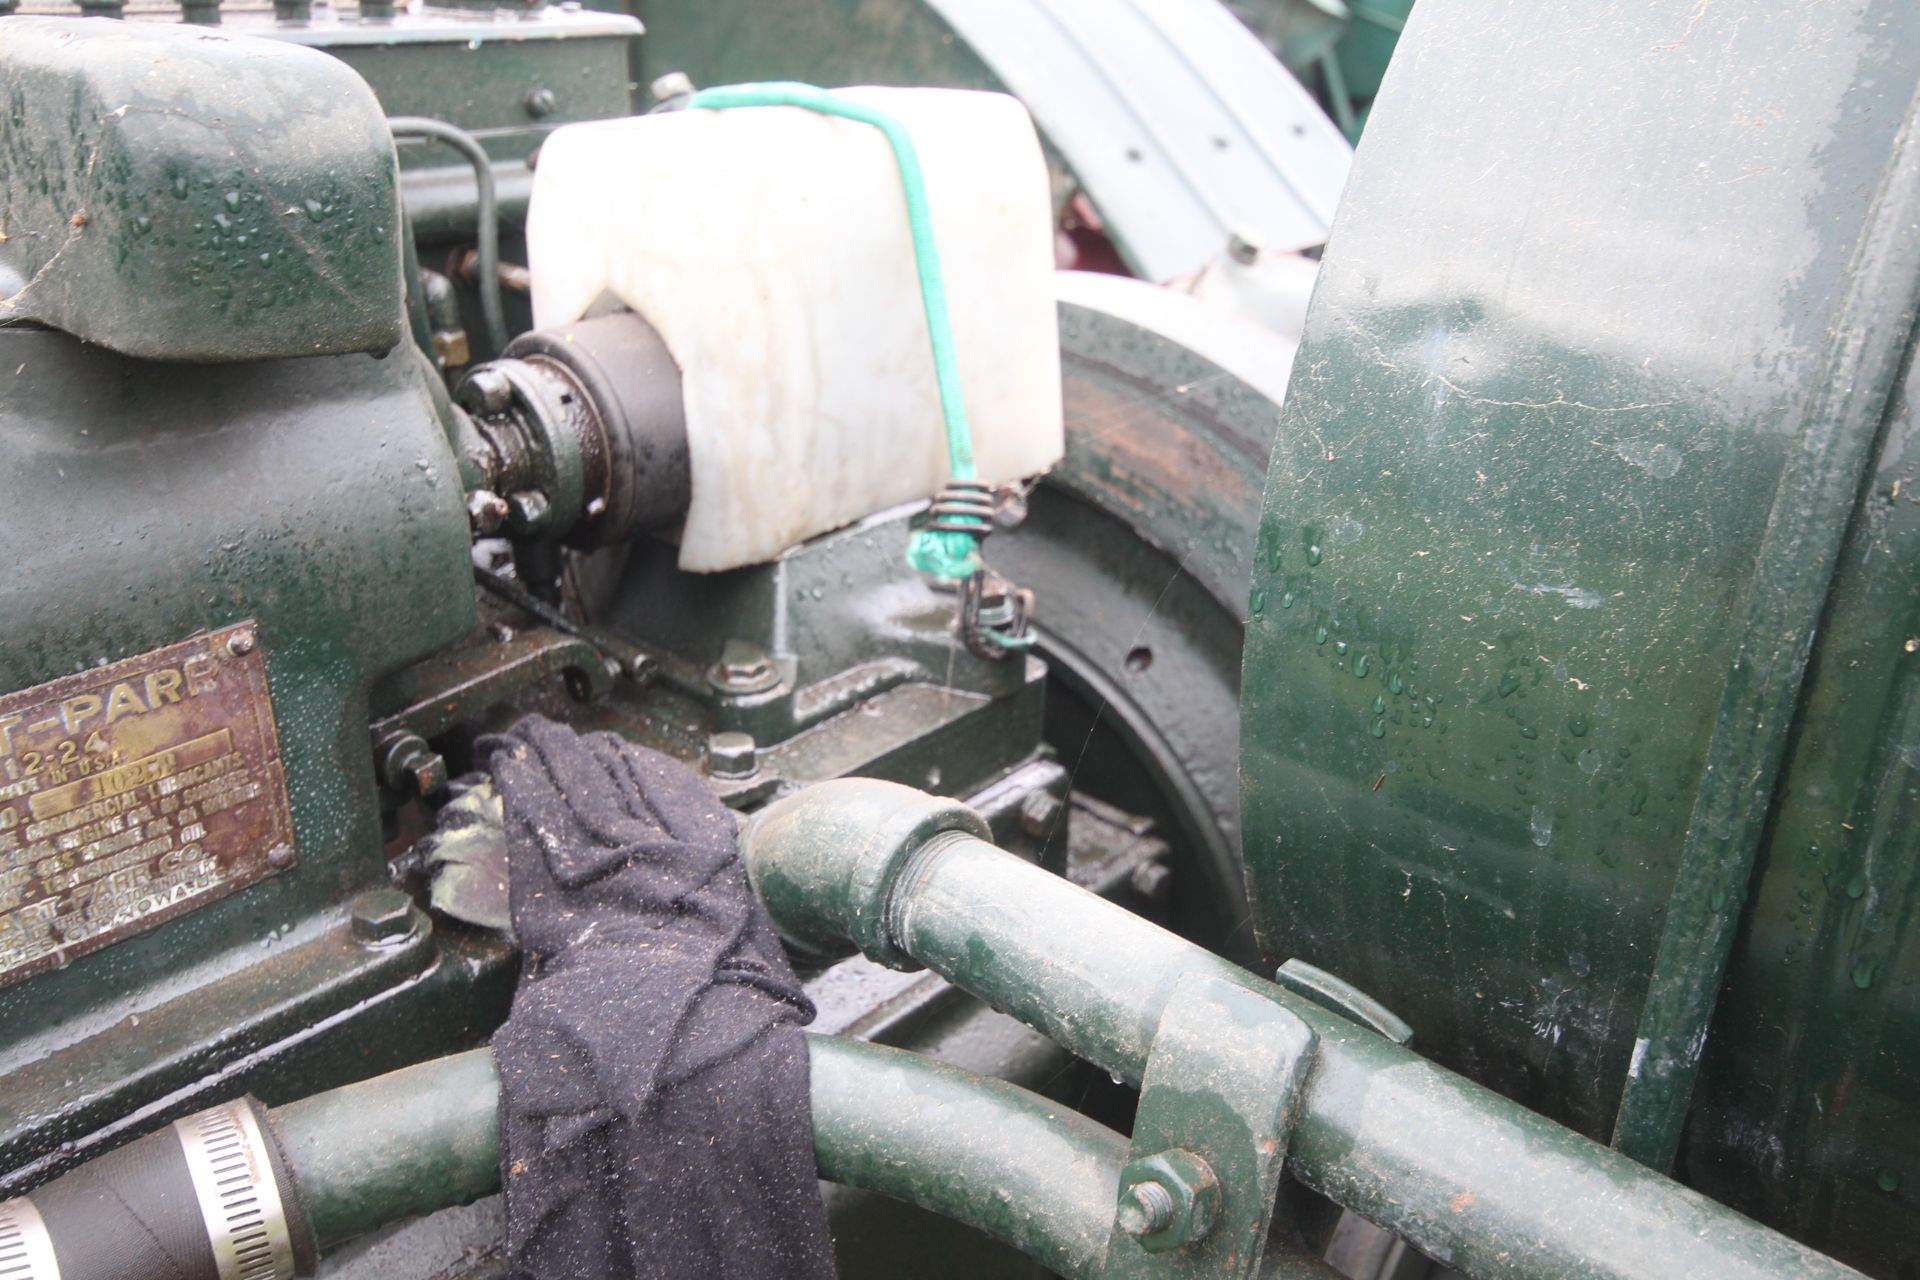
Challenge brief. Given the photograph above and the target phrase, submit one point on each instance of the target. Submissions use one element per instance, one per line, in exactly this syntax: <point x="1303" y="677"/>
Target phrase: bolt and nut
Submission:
<point x="486" y="511"/>
<point x="674" y="84"/>
<point x="732" y="755"/>
<point x="1243" y="246"/>
<point x="382" y="917"/>
<point x="528" y="510"/>
<point x="1152" y="881"/>
<point x="743" y="668"/>
<point x="1039" y="812"/>
<point x="486" y="390"/>
<point x="1146" y="1210"/>
<point x="410" y="766"/>
<point x="1167" y="1200"/>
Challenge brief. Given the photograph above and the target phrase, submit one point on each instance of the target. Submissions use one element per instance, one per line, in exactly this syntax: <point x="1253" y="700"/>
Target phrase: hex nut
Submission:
<point x="1039" y="812"/>
<point x="486" y="390"/>
<point x="382" y="917"/>
<point x="1152" y="880"/>
<point x="1243" y="246"/>
<point x="1192" y="1193"/>
<point x="674" y="84"/>
<point x="528" y="510"/>
<point x="743" y="668"/>
<point x="732" y="755"/>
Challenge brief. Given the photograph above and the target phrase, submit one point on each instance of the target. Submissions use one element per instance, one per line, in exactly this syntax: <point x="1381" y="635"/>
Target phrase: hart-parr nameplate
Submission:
<point x="134" y="792"/>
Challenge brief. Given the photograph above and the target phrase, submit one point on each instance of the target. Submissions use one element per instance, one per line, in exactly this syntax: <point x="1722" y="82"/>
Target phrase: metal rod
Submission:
<point x="486" y="214"/>
<point x="1813" y="505"/>
<point x="1473" y="1179"/>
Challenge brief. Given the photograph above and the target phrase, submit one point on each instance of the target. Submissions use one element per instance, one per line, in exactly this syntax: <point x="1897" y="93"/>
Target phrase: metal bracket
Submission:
<point x="1217" y="1107"/>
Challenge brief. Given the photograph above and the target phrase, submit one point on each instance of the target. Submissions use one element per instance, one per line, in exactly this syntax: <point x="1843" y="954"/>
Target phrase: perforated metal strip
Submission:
<point x="26" y="1251"/>
<point x="233" y="1177"/>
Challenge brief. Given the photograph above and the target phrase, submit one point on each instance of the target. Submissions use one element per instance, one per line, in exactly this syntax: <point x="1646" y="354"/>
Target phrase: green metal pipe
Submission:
<point x="1005" y="1161"/>
<point x="402" y="1144"/>
<point x="1473" y="1179"/>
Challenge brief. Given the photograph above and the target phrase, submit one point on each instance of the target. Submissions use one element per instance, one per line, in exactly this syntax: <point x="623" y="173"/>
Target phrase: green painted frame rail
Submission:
<point x="1473" y="1179"/>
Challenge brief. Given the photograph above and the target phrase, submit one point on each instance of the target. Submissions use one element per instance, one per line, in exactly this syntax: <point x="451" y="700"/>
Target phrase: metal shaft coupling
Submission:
<point x="577" y="434"/>
<point x="208" y="1197"/>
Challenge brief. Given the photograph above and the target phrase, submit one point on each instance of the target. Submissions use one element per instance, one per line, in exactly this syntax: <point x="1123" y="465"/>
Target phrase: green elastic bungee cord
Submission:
<point x="945" y="554"/>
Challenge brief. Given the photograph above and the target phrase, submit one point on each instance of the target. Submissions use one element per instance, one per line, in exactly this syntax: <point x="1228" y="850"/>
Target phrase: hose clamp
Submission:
<point x="232" y="1173"/>
<point x="26" y="1250"/>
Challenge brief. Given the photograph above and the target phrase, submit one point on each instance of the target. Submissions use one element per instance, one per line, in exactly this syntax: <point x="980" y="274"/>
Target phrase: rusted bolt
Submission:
<point x="280" y="856"/>
<point x="382" y="917"/>
<point x="1167" y="1200"/>
<point x="732" y="755"/>
<point x="1038" y="813"/>
<point x="541" y="102"/>
<point x="486" y="511"/>
<point x="410" y="766"/>
<point x="1146" y="1210"/>
<point x="743" y="668"/>
<point x="240" y="643"/>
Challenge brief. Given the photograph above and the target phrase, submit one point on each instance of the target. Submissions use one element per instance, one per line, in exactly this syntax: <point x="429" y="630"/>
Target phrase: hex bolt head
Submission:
<point x="1243" y="246"/>
<point x="241" y="643"/>
<point x="486" y="390"/>
<point x="486" y="511"/>
<point x="743" y="668"/>
<point x="528" y="511"/>
<point x="732" y="755"/>
<point x="541" y="102"/>
<point x="674" y="84"/>
<point x="1039" y="812"/>
<point x="1152" y="881"/>
<point x="382" y="917"/>
<point x="1146" y="1209"/>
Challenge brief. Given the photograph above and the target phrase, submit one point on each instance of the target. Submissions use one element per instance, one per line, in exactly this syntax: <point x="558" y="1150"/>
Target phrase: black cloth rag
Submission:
<point x="654" y="1113"/>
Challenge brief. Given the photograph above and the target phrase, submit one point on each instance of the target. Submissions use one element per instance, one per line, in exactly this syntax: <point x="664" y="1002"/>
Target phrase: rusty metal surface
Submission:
<point x="133" y="793"/>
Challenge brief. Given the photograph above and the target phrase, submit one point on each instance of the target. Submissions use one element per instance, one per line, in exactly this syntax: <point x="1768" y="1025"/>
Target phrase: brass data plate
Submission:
<point x="135" y="792"/>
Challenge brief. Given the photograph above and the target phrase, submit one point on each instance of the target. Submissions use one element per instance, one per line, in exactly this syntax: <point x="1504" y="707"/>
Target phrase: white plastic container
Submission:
<point x="770" y="248"/>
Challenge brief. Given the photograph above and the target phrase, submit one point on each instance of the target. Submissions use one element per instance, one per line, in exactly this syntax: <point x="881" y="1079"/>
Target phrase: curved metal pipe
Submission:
<point x="486" y="211"/>
<point x="996" y="1157"/>
<point x="1473" y="1179"/>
